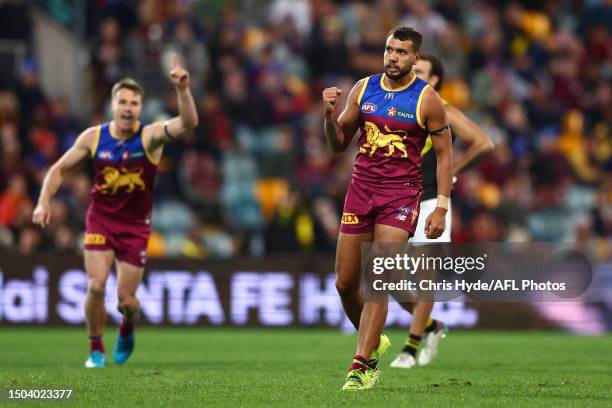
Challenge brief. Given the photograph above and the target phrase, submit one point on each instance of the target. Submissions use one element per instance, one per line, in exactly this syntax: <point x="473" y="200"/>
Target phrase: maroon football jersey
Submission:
<point x="124" y="177"/>
<point x="392" y="133"/>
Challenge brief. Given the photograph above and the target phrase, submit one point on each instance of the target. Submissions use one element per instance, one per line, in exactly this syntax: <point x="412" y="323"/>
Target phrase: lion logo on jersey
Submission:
<point x="114" y="179"/>
<point x="393" y="139"/>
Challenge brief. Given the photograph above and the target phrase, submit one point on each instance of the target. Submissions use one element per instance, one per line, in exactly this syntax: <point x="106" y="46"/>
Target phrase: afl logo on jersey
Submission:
<point x="392" y="111"/>
<point x="369" y="107"/>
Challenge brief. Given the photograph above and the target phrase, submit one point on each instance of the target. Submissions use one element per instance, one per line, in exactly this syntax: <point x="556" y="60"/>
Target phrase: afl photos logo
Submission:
<point x="369" y="107"/>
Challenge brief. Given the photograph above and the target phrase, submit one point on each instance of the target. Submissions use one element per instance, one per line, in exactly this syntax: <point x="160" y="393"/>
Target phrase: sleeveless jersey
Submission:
<point x="429" y="166"/>
<point x="392" y="133"/>
<point x="124" y="177"/>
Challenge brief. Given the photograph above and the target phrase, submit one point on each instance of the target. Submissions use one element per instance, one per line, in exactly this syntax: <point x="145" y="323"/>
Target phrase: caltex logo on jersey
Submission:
<point x="392" y="111"/>
<point x="369" y="107"/>
<point x="126" y="155"/>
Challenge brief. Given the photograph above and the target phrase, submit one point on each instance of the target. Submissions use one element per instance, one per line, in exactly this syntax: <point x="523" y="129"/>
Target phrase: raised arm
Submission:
<point x="160" y="133"/>
<point x="82" y="148"/>
<point x="339" y="133"/>
<point x="477" y="141"/>
<point x="436" y="123"/>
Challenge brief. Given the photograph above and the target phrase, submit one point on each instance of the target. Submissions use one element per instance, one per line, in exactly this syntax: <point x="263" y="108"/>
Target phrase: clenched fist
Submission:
<point x="330" y="97"/>
<point x="178" y="75"/>
<point x="42" y="215"/>
<point x="435" y="223"/>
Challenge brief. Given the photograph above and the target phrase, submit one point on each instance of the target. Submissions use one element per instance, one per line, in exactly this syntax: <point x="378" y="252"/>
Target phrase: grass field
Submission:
<point x="189" y="367"/>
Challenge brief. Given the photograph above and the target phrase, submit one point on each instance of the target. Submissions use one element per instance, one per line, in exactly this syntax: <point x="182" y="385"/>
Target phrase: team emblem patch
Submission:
<point x="392" y="140"/>
<point x="350" y="218"/>
<point x="114" y="179"/>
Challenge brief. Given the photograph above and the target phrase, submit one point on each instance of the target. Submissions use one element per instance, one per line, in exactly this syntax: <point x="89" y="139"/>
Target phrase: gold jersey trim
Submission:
<point x="146" y="150"/>
<point x="427" y="147"/>
<point x="418" y="106"/>
<point x="363" y="88"/>
<point x="94" y="148"/>
<point x="401" y="88"/>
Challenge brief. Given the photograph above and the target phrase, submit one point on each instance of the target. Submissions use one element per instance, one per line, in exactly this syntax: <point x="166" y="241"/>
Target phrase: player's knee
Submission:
<point x="96" y="290"/>
<point x="346" y="286"/>
<point x="128" y="304"/>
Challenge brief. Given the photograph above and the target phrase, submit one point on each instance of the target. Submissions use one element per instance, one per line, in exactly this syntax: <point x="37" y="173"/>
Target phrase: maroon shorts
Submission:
<point x="127" y="240"/>
<point x="366" y="205"/>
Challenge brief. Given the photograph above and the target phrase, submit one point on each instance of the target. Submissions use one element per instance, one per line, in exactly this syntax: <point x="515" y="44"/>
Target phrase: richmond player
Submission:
<point x="425" y="332"/>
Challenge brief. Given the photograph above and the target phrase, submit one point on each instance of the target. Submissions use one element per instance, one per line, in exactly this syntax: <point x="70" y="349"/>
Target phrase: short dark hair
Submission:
<point x="437" y="68"/>
<point x="128" y="83"/>
<point x="404" y="33"/>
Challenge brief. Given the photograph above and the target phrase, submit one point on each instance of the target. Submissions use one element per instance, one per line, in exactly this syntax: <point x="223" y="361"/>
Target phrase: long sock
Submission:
<point x="359" y="363"/>
<point x="431" y="325"/>
<point x="95" y="344"/>
<point x="412" y="344"/>
<point x="125" y="328"/>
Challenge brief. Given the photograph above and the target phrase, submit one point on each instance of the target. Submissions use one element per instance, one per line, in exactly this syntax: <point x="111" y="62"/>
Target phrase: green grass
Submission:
<point x="189" y="367"/>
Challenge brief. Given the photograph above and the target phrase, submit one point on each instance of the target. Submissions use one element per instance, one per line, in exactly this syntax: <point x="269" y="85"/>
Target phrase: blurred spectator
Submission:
<point x="257" y="174"/>
<point x="30" y="240"/>
<point x="12" y="199"/>
<point x="327" y="51"/>
<point x="111" y="60"/>
<point x="425" y="20"/>
<point x="30" y="95"/>
<point x="297" y="12"/>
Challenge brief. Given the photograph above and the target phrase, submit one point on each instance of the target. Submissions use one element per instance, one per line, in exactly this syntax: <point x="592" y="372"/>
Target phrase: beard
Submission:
<point x="399" y="73"/>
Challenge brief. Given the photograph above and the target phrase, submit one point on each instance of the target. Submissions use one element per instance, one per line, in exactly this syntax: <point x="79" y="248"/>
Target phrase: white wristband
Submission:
<point x="442" y="202"/>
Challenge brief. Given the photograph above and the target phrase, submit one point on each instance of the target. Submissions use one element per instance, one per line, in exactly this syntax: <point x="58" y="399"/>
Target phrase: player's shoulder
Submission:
<point x="148" y="126"/>
<point x="370" y="79"/>
<point x="431" y="96"/>
<point x="152" y="129"/>
<point x="359" y="89"/>
<point x="361" y="84"/>
<point x="90" y="135"/>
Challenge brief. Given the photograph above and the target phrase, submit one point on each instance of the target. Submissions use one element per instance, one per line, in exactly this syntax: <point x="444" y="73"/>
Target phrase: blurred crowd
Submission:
<point x="257" y="177"/>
